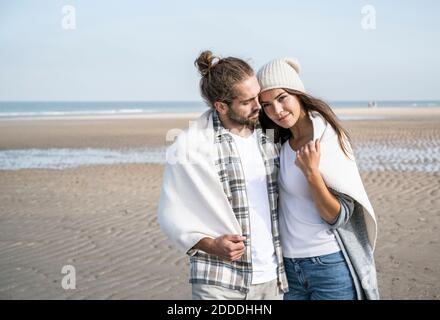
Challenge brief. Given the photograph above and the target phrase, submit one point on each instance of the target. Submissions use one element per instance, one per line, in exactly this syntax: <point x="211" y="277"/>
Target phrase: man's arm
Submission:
<point x="229" y="247"/>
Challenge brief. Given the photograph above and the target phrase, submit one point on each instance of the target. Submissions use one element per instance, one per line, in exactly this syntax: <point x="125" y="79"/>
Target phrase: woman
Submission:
<point x="327" y="224"/>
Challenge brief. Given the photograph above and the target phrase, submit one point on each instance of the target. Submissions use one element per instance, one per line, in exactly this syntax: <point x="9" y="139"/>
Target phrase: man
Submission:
<point x="219" y="195"/>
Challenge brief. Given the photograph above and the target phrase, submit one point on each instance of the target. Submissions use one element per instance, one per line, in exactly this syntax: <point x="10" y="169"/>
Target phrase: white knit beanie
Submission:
<point x="280" y="73"/>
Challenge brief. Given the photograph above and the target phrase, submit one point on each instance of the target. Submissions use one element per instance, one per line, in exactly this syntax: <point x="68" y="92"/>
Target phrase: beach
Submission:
<point x="101" y="219"/>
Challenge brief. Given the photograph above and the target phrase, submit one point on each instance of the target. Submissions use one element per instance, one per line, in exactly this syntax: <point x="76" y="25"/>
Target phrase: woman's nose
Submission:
<point x="277" y="108"/>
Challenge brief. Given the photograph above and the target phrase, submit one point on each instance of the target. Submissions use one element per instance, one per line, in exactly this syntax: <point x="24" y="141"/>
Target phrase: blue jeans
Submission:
<point x="325" y="277"/>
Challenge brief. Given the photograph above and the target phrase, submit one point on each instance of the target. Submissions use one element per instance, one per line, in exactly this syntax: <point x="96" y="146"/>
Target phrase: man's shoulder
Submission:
<point x="272" y="148"/>
<point x="194" y="142"/>
<point x="196" y="127"/>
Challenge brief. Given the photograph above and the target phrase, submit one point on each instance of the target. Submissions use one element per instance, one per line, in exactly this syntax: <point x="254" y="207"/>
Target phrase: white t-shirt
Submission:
<point x="264" y="262"/>
<point x="303" y="233"/>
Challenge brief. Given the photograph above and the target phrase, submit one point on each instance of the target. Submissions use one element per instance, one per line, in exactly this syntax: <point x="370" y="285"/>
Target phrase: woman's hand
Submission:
<point x="307" y="158"/>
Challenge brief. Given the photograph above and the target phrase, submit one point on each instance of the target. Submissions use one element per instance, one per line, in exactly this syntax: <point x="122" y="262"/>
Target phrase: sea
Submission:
<point x="32" y="109"/>
<point x="424" y="156"/>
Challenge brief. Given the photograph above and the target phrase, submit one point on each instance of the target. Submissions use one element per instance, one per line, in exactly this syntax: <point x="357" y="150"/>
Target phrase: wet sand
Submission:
<point x="102" y="219"/>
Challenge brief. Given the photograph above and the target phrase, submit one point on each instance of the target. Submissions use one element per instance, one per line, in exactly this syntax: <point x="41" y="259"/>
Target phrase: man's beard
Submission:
<point x="234" y="117"/>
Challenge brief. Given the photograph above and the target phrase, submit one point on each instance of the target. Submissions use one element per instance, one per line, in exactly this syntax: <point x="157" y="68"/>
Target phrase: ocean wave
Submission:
<point x="64" y="158"/>
<point x="77" y="112"/>
<point x="421" y="156"/>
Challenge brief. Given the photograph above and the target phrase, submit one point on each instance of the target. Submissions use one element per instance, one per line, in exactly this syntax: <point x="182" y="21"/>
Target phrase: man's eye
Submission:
<point x="281" y="98"/>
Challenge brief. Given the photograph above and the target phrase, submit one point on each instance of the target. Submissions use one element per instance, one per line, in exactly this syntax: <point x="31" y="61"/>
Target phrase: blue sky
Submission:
<point x="144" y="50"/>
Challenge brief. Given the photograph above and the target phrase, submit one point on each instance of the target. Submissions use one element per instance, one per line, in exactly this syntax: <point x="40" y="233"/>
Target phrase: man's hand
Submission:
<point x="229" y="247"/>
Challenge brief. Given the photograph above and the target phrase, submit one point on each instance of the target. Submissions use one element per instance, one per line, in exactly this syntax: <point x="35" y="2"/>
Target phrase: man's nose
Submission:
<point x="256" y="104"/>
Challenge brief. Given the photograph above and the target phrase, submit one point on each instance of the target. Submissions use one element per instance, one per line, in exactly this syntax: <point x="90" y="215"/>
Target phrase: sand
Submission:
<point x="102" y="219"/>
<point x="151" y="130"/>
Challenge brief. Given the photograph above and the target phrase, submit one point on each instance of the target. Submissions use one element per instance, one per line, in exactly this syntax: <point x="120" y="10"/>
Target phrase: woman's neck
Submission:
<point x="303" y="127"/>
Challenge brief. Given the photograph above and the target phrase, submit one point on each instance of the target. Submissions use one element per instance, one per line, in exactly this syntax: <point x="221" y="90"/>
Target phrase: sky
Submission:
<point x="144" y="50"/>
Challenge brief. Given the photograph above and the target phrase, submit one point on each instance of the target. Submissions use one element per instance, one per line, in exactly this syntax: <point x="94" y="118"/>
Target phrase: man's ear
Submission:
<point x="221" y="107"/>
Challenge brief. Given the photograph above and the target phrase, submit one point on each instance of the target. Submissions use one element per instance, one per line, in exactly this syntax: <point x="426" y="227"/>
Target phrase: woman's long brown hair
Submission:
<point x="309" y="103"/>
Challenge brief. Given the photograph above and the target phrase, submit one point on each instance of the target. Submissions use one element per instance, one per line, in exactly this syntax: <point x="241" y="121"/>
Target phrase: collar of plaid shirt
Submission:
<point x="237" y="275"/>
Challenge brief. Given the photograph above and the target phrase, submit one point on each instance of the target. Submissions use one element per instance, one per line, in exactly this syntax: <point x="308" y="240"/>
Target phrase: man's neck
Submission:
<point x="233" y="127"/>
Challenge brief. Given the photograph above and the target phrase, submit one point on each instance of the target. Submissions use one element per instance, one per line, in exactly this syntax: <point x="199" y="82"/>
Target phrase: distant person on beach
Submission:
<point x="327" y="224"/>
<point x="219" y="195"/>
<point x="372" y="104"/>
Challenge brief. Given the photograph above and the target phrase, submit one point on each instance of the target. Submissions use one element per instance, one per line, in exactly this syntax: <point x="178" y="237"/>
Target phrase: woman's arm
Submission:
<point x="326" y="203"/>
<point x="329" y="206"/>
<point x="347" y="208"/>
